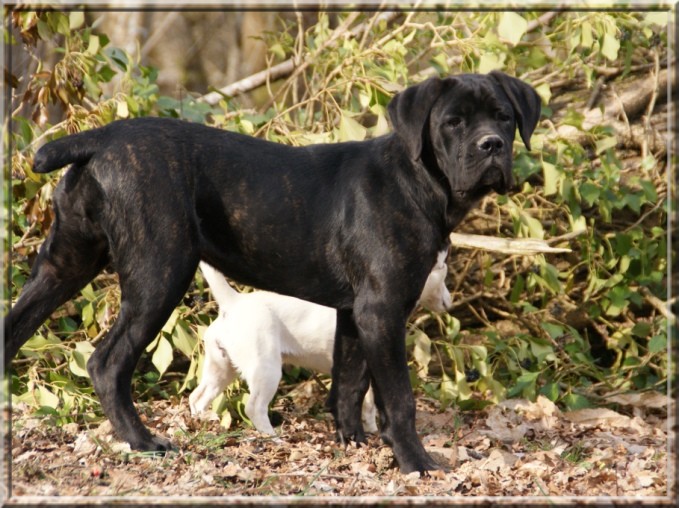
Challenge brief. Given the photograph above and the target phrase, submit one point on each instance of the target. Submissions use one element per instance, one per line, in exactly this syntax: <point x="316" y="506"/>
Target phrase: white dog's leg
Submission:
<point x="218" y="371"/>
<point x="435" y="295"/>
<point x="369" y="412"/>
<point x="261" y="393"/>
<point x="254" y="345"/>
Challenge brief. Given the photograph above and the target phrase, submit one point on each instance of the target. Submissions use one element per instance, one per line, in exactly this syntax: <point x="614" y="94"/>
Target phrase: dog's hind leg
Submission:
<point x="255" y="347"/>
<point x="151" y="287"/>
<point x="350" y="380"/>
<point x="68" y="259"/>
<point x="263" y="386"/>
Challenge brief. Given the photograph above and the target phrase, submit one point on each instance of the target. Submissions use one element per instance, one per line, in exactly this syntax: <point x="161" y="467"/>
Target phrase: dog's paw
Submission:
<point x="416" y="460"/>
<point x="344" y="438"/>
<point x="154" y="444"/>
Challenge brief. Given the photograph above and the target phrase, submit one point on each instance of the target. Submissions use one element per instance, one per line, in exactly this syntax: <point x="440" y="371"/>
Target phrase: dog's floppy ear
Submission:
<point x="409" y="112"/>
<point x="525" y="101"/>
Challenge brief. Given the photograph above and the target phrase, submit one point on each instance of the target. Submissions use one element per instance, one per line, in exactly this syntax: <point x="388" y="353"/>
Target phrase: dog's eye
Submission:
<point x="503" y="117"/>
<point x="453" y="121"/>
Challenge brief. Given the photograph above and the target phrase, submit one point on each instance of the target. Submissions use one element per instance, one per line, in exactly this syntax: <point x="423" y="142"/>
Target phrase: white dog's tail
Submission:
<point x="223" y="293"/>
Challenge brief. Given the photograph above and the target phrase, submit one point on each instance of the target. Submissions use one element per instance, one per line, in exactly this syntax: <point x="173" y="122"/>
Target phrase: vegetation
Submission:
<point x="575" y="328"/>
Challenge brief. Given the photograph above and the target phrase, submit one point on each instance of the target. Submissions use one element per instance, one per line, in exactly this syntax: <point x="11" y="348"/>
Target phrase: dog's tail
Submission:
<point x="75" y="149"/>
<point x="223" y="293"/>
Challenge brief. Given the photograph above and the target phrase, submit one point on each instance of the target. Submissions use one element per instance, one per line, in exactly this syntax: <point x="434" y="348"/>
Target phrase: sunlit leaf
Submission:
<point x="162" y="356"/>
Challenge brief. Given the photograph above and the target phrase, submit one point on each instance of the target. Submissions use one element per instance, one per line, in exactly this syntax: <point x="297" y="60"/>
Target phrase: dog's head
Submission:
<point x="464" y="126"/>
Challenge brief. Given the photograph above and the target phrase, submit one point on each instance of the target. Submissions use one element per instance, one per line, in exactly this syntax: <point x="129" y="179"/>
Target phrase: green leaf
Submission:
<point x="657" y="344"/>
<point x="88" y="293"/>
<point x="649" y="190"/>
<point x="46" y="398"/>
<point x="586" y="37"/>
<point x="512" y="26"/>
<point x="525" y="384"/>
<point x="76" y="19"/>
<point x="542" y="350"/>
<point x="44" y="30"/>
<point x="552" y="178"/>
<point x="604" y="144"/>
<point x="453" y="326"/>
<point x="191" y="378"/>
<point x="78" y="361"/>
<point x="91" y="86"/>
<point x="93" y="45"/>
<point x="422" y="353"/>
<point x="498" y="389"/>
<point x="62" y="24"/>
<point x="551" y="391"/>
<point x="183" y="340"/>
<point x="448" y="390"/>
<point x="491" y="61"/>
<point x="574" y="401"/>
<point x="162" y="356"/>
<point x="589" y="192"/>
<point x="555" y="331"/>
<point x="171" y="322"/>
<point x="610" y="46"/>
<point x="545" y="93"/>
<point x="517" y="288"/>
<point x="634" y="202"/>
<point x="277" y="49"/>
<point x="350" y="129"/>
<point x="619" y="300"/>
<point x="480" y="352"/>
<point x="106" y="73"/>
<point x="88" y="315"/>
<point x="550" y="275"/>
<point x="119" y="57"/>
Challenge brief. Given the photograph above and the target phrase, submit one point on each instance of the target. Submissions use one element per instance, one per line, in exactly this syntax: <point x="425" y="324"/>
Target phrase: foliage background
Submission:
<point x="575" y="328"/>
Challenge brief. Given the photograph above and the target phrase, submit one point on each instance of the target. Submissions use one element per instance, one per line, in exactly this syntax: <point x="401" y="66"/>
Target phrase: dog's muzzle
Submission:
<point x="497" y="174"/>
<point x="502" y="180"/>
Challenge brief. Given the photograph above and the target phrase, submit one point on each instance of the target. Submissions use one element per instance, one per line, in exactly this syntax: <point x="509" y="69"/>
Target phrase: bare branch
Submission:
<point x="286" y="68"/>
<point x="522" y="246"/>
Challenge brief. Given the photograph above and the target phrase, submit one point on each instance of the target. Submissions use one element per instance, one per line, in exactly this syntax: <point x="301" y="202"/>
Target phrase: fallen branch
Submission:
<point x="522" y="246"/>
<point x="630" y="102"/>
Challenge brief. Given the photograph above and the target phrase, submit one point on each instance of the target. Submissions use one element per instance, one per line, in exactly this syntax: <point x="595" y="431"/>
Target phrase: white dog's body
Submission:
<point x="255" y="333"/>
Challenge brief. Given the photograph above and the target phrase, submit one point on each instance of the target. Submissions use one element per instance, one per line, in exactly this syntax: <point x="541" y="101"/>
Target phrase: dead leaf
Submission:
<point x="84" y="446"/>
<point x="654" y="400"/>
<point x="606" y="418"/>
<point x="497" y="460"/>
<point x="505" y="425"/>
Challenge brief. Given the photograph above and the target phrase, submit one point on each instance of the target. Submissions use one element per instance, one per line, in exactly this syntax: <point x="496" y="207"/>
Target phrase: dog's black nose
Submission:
<point x="490" y="144"/>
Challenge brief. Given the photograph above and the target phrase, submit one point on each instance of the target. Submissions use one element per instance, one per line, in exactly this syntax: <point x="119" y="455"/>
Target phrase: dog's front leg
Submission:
<point x="350" y="380"/>
<point x="382" y="341"/>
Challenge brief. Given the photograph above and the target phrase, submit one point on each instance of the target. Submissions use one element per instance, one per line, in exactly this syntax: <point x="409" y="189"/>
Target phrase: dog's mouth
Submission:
<point x="498" y="178"/>
<point x="494" y="179"/>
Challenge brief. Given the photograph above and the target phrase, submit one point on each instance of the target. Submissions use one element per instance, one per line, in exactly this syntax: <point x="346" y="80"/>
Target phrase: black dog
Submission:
<point x="344" y="225"/>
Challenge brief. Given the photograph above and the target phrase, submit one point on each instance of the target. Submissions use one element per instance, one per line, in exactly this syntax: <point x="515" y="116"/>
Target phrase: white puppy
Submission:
<point x="255" y="333"/>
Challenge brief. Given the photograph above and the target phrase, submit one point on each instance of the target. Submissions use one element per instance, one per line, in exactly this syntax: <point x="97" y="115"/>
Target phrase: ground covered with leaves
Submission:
<point x="515" y="448"/>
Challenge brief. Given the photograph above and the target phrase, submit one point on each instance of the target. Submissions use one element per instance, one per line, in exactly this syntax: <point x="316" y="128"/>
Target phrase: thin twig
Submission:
<point x="289" y="68"/>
